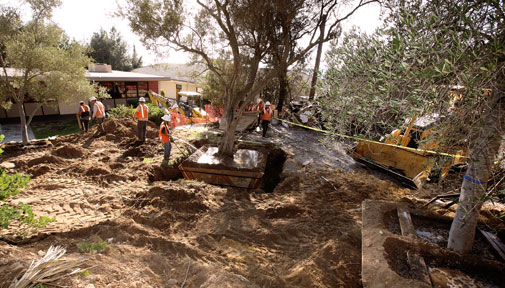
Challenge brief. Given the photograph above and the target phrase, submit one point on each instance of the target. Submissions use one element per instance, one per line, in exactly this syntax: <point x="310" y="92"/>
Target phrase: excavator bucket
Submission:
<point x="410" y="167"/>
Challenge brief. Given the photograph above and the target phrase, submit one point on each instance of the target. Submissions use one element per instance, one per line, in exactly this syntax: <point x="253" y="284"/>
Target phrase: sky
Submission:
<point x="81" y="18"/>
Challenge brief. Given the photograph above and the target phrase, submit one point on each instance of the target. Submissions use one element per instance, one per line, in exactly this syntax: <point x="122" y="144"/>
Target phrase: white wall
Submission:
<point x="171" y="88"/>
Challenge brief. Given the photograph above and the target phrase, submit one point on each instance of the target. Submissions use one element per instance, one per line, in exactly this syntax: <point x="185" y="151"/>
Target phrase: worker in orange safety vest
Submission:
<point x="266" y="117"/>
<point x="164" y="136"/>
<point x="84" y="116"/>
<point x="260" y="108"/>
<point x="98" y="113"/>
<point x="142" y="114"/>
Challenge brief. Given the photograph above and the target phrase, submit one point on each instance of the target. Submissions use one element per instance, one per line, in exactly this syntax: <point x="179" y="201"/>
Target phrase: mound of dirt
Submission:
<point x="94" y="171"/>
<point x="69" y="152"/>
<point x="39" y="170"/>
<point x="47" y="159"/>
<point x="307" y="233"/>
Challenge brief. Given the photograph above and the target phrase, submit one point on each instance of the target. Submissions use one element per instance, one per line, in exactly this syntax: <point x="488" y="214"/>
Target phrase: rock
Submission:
<point x="89" y="286"/>
<point x="171" y="282"/>
<point x="7" y="165"/>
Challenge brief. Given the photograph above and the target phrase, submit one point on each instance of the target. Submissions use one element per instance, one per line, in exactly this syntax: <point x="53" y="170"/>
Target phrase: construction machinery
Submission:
<point x="169" y="104"/>
<point x="407" y="154"/>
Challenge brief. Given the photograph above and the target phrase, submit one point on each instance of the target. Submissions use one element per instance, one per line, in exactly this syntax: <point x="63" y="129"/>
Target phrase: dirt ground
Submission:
<point x="307" y="233"/>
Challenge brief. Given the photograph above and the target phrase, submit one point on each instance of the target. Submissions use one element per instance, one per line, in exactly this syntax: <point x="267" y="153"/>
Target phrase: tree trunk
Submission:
<point x="473" y="188"/>
<point x="22" y="118"/>
<point x="318" y="59"/>
<point x="231" y="119"/>
<point x="283" y="89"/>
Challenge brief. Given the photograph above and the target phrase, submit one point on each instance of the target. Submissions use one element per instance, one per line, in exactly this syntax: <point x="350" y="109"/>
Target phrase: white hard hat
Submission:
<point x="165" y="118"/>
<point x="267" y="103"/>
<point x="92" y="99"/>
<point x="142" y="99"/>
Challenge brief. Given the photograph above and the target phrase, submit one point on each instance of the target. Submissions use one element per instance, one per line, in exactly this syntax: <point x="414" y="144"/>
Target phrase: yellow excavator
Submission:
<point x="407" y="154"/>
<point x="168" y="104"/>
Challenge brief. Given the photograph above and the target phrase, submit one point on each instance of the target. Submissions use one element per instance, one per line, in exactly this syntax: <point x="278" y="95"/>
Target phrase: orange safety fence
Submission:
<point x="214" y="114"/>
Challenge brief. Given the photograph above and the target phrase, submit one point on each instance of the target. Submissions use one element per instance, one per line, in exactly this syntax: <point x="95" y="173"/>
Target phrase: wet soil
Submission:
<point x="305" y="233"/>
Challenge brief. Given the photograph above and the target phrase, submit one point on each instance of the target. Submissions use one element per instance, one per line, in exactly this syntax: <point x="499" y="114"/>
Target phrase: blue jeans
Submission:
<point x="166" y="150"/>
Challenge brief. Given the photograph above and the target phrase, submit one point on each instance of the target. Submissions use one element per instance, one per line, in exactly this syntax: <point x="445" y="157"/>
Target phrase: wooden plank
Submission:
<point x="495" y="243"/>
<point x="406" y="224"/>
<point x="418" y="266"/>
<point x="416" y="261"/>
<point x="246" y="174"/>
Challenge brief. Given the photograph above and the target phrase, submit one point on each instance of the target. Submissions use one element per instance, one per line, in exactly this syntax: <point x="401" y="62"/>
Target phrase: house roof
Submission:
<point x="100" y="76"/>
<point x="123" y="76"/>
<point x="176" y="72"/>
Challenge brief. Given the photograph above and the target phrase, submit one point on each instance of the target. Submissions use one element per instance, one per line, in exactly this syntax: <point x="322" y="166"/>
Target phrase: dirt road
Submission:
<point x="307" y="233"/>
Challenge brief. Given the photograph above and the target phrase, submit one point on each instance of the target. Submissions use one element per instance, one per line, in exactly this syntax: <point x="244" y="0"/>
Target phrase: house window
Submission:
<point x="131" y="90"/>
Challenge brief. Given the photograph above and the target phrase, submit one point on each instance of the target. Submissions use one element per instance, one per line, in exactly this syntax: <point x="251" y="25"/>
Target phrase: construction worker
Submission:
<point x="260" y="109"/>
<point x="98" y="113"/>
<point x="266" y="117"/>
<point x="164" y="136"/>
<point x="84" y="116"/>
<point x="142" y="114"/>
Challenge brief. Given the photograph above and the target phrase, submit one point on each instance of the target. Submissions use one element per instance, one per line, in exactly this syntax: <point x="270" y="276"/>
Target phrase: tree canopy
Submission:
<point x="38" y="62"/>
<point x="445" y="58"/>
<point x="245" y="30"/>
<point x="110" y="48"/>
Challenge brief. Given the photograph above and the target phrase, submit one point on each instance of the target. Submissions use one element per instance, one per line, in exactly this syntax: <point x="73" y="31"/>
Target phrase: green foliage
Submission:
<point x="155" y="113"/>
<point x="121" y="111"/>
<point x="110" y="48"/>
<point x="83" y="273"/>
<point x="93" y="247"/>
<point x="409" y="68"/>
<point x="48" y="66"/>
<point x="162" y="93"/>
<point x="10" y="185"/>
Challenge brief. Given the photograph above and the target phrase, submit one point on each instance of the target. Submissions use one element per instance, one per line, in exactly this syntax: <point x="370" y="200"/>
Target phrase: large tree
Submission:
<point x="38" y="62"/>
<point x="241" y="28"/>
<point x="110" y="48"/>
<point x="412" y="67"/>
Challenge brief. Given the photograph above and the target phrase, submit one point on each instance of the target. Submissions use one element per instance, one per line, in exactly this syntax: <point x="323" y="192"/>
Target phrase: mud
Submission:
<point x="305" y="233"/>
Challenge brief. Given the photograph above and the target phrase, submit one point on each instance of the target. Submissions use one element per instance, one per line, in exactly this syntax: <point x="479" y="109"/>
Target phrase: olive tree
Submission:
<point x="412" y="67"/>
<point x="38" y="61"/>
<point x="240" y="28"/>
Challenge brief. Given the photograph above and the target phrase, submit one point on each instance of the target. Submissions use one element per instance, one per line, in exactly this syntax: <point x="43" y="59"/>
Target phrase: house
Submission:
<point x="124" y="88"/>
<point x="181" y="78"/>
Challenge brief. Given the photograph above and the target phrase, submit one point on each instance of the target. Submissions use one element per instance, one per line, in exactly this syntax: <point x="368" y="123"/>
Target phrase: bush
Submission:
<point x="155" y="113"/>
<point x="121" y="111"/>
<point x="10" y="185"/>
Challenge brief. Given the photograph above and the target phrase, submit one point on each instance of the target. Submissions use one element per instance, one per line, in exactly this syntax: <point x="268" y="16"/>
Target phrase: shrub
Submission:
<point x="121" y="111"/>
<point x="162" y="93"/>
<point x="10" y="185"/>
<point x="155" y="113"/>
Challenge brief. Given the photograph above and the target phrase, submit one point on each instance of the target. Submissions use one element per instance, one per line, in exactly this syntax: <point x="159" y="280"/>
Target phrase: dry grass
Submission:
<point x="48" y="269"/>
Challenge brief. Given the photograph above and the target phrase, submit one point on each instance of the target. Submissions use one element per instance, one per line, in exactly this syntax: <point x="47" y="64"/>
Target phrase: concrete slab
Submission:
<point x="245" y="169"/>
<point x="385" y="250"/>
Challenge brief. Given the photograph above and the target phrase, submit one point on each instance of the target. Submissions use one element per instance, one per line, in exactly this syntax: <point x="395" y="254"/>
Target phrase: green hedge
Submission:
<point x="122" y="111"/>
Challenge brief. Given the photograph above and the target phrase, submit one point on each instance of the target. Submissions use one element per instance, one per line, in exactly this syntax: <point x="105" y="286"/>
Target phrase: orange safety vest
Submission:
<point x="84" y="108"/>
<point x="164" y="137"/>
<point x="267" y="114"/>
<point x="142" y="112"/>
<point x="260" y="106"/>
<point x="99" y="109"/>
